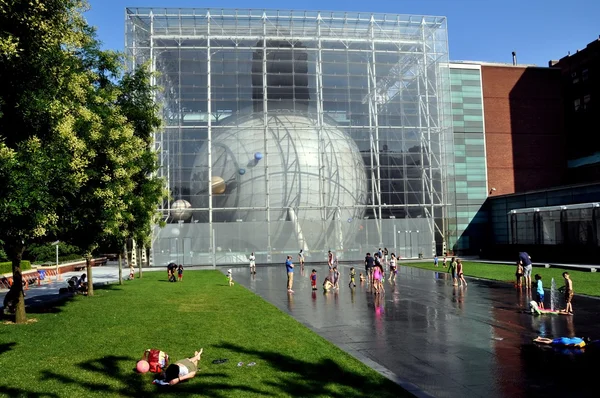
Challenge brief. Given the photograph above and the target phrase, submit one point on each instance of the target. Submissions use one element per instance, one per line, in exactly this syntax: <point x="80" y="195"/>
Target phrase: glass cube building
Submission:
<point x="289" y="130"/>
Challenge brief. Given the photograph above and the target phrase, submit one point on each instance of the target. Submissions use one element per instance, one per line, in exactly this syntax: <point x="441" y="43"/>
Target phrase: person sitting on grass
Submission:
<point x="182" y="370"/>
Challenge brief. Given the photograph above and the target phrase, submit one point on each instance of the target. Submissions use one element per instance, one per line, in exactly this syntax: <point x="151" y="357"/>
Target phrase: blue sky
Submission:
<point x="481" y="30"/>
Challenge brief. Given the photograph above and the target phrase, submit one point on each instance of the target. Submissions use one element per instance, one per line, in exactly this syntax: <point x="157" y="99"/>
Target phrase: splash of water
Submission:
<point x="553" y="296"/>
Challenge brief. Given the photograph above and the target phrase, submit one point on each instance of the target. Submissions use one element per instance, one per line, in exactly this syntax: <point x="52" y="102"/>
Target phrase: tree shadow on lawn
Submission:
<point x="4" y="347"/>
<point x="313" y="379"/>
<point x="53" y="303"/>
<point x="133" y="384"/>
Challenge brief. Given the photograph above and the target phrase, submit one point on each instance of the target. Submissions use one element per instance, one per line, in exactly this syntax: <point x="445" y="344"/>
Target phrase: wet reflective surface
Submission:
<point x="447" y="341"/>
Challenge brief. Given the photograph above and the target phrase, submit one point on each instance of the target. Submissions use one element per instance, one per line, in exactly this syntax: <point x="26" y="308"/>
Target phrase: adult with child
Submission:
<point x="525" y="261"/>
<point x="289" y="265"/>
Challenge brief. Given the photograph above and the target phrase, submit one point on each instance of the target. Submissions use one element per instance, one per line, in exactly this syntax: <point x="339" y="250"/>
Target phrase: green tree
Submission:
<point x="40" y="154"/>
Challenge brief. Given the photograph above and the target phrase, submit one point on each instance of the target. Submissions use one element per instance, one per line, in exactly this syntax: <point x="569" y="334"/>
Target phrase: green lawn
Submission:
<point x="583" y="282"/>
<point x="88" y="346"/>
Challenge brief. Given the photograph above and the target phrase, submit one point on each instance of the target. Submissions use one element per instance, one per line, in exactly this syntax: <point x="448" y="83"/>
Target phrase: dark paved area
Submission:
<point x="446" y="341"/>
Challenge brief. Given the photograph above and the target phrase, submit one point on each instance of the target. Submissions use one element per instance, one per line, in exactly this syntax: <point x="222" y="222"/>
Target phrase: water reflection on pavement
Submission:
<point x="448" y="341"/>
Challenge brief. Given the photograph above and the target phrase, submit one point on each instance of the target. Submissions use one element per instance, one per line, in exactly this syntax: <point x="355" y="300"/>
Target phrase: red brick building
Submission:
<point x="524" y="128"/>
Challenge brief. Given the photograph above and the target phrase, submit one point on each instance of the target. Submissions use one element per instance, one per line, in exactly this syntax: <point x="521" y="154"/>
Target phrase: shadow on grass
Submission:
<point x="18" y="392"/>
<point x="113" y="380"/>
<point x="53" y="303"/>
<point x="325" y="378"/>
<point x="4" y="347"/>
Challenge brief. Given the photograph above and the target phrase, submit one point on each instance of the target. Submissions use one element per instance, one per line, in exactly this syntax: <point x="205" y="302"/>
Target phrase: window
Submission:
<point x="584" y="74"/>
<point x="586" y="101"/>
<point x="577" y="104"/>
<point x="574" y="77"/>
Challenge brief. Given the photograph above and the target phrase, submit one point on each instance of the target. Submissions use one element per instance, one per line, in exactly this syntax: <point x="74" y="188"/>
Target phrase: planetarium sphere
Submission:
<point x="317" y="172"/>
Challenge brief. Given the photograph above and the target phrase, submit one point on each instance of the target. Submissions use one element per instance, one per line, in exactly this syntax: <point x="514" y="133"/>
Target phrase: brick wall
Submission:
<point x="523" y="128"/>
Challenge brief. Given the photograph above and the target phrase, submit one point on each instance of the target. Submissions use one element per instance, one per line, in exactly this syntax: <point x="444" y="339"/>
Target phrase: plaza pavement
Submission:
<point x="430" y="337"/>
<point x="439" y="340"/>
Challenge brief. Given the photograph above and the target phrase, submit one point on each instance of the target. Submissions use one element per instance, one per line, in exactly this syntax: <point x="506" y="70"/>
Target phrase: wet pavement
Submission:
<point x="440" y="340"/>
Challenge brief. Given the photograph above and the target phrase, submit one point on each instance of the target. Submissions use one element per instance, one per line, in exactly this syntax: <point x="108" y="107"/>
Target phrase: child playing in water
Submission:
<point x="519" y="273"/>
<point x="361" y="277"/>
<point x="452" y="271"/>
<point x="336" y="278"/>
<point x="313" y="279"/>
<point x="539" y="291"/>
<point x="393" y="267"/>
<point x="568" y="292"/>
<point x="352" y="275"/>
<point x="327" y="284"/>
<point x="459" y="271"/>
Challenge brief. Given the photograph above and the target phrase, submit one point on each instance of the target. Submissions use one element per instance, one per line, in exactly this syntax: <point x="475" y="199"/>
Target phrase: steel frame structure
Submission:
<point x="416" y="87"/>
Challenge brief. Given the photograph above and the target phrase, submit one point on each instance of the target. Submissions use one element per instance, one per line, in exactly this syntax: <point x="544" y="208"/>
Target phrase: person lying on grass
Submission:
<point x="184" y="369"/>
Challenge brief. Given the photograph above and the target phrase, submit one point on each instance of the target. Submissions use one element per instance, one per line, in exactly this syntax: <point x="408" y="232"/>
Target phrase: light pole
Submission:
<point x="405" y="251"/>
<point x="180" y="222"/>
<point x="418" y="245"/>
<point x="56" y="244"/>
<point x="395" y="238"/>
<point x="410" y="236"/>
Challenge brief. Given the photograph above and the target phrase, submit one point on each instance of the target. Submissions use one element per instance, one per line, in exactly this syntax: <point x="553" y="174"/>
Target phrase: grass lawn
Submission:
<point x="583" y="282"/>
<point x="88" y="346"/>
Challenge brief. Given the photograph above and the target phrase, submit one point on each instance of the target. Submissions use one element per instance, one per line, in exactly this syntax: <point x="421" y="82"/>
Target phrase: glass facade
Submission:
<point x="467" y="218"/>
<point x="298" y="130"/>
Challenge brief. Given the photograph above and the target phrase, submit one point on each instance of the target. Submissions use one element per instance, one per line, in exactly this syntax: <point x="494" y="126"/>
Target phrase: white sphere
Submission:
<point x="180" y="210"/>
<point x="297" y="152"/>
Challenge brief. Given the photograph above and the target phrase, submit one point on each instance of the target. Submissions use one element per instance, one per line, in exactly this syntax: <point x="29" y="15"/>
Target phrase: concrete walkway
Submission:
<point x="441" y="340"/>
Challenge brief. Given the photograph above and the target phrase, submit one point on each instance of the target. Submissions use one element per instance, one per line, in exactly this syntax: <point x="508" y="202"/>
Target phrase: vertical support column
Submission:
<point x="211" y="233"/>
<point x="266" y="132"/>
<point x="374" y="115"/>
<point x="428" y="135"/>
<point x="320" y="143"/>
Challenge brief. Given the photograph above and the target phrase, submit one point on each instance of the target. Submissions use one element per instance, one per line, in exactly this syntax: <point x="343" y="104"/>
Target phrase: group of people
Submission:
<point x="455" y="269"/>
<point x="523" y="276"/>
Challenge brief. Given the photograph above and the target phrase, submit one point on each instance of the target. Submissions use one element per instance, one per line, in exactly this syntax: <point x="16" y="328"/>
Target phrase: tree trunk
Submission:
<point x="90" y="282"/>
<point x="120" y="270"/>
<point x="15" y="295"/>
<point x="140" y="260"/>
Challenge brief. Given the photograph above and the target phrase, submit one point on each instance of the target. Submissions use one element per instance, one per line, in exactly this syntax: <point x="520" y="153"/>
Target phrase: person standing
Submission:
<point x="460" y="273"/>
<point x="369" y="264"/>
<point x="525" y="260"/>
<point x="330" y="259"/>
<point x="289" y="265"/>
<point x="452" y="271"/>
<point x="301" y="258"/>
<point x="252" y="264"/>
<point x="393" y="268"/>
<point x="435" y="261"/>
<point x="568" y="292"/>
<point x="386" y="252"/>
